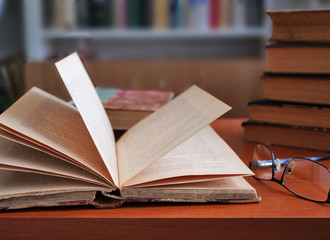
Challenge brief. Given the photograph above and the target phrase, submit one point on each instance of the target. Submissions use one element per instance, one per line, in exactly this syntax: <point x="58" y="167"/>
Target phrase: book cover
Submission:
<point x="295" y="114"/>
<point x="138" y="99"/>
<point x="298" y="58"/>
<point x="299" y="88"/>
<point x="288" y="135"/>
<point x="300" y="25"/>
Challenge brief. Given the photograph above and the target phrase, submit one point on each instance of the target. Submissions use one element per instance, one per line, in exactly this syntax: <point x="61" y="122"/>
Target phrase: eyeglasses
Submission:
<point x="303" y="176"/>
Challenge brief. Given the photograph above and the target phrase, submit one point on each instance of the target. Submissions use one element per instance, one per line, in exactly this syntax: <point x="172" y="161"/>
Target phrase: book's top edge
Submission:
<point x="276" y="103"/>
<point x="286" y="11"/>
<point x="254" y="123"/>
<point x="311" y="76"/>
<point x="297" y="45"/>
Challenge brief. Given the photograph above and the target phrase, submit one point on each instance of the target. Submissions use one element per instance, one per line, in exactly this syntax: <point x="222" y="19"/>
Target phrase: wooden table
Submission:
<point x="280" y="215"/>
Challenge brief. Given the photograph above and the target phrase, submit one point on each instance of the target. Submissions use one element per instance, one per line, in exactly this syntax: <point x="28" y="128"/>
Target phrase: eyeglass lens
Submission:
<point x="261" y="163"/>
<point x="307" y="178"/>
<point x="301" y="176"/>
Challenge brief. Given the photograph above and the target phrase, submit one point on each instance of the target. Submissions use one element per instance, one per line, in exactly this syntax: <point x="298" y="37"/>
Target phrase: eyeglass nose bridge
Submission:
<point x="278" y="165"/>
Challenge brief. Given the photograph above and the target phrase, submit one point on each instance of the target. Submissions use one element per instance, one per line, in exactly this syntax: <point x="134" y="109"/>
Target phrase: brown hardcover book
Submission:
<point x="297" y="88"/>
<point x="53" y="153"/>
<point x="285" y="135"/>
<point x="126" y="107"/>
<point x="300" y="25"/>
<point x="290" y="114"/>
<point x="298" y="58"/>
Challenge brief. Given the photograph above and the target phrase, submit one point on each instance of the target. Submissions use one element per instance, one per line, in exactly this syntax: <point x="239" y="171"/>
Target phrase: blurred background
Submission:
<point x="140" y="44"/>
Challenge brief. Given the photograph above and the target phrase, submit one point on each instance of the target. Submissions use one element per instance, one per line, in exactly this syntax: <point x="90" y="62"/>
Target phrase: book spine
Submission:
<point x="133" y="11"/>
<point x="254" y="13"/>
<point x="214" y="14"/>
<point x="83" y="19"/>
<point x="99" y="13"/>
<point x="121" y="14"/>
<point x="161" y="9"/>
<point x="225" y="13"/>
<point x="239" y="13"/>
<point x="146" y="13"/>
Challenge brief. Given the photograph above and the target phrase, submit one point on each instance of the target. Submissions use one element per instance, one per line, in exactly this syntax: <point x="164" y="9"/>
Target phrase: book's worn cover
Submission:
<point x="138" y="99"/>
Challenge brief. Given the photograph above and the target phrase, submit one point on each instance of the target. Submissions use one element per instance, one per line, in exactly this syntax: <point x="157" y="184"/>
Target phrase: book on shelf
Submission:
<point x="126" y="107"/>
<point x="287" y="113"/>
<point x="214" y="14"/>
<point x="53" y="153"/>
<point x="161" y="14"/>
<point x="298" y="58"/>
<point x="288" y="135"/>
<point x="301" y="88"/>
<point x="300" y="25"/>
<point x="226" y="14"/>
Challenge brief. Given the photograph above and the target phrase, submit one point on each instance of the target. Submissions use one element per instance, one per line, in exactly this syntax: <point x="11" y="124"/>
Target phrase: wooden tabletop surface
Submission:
<point x="280" y="214"/>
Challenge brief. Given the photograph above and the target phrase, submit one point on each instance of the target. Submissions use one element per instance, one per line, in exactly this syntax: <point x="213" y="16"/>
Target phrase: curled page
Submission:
<point x="90" y="107"/>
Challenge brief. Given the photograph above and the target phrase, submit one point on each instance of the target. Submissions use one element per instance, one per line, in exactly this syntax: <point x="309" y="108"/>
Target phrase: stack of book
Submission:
<point x="295" y="110"/>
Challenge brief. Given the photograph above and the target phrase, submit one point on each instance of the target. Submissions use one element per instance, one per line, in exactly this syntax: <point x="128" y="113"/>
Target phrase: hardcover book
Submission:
<point x="312" y="89"/>
<point x="126" y="107"/>
<point x="287" y="113"/>
<point x="298" y="58"/>
<point x="53" y="153"/>
<point x="315" y="138"/>
<point x="308" y="25"/>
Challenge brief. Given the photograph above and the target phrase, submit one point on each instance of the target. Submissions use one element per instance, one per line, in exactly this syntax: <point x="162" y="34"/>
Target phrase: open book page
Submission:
<point x="162" y="131"/>
<point x="90" y="107"/>
<point x="55" y="124"/>
<point x="204" y="154"/>
<point x="17" y="156"/>
<point x="16" y="183"/>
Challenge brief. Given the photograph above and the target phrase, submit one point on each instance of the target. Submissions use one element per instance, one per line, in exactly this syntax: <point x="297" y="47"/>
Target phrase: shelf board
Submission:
<point x="109" y="34"/>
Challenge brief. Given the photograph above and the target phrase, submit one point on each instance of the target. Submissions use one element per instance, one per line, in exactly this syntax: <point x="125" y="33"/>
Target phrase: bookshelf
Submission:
<point x="169" y="59"/>
<point x="240" y="37"/>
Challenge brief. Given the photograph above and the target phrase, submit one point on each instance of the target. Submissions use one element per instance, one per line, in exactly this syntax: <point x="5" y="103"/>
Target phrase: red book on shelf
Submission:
<point x="214" y="13"/>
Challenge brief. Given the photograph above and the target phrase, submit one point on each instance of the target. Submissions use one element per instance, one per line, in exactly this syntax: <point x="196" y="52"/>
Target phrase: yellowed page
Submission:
<point x="203" y="154"/>
<point x="53" y="123"/>
<point x="90" y="107"/>
<point x="16" y="183"/>
<point x="17" y="156"/>
<point x="165" y="129"/>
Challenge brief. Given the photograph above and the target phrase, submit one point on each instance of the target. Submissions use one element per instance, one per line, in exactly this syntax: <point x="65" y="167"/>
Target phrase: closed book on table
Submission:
<point x="297" y="88"/>
<point x="298" y="58"/>
<point x="295" y="114"/>
<point x="308" y="25"/>
<point x="126" y="107"/>
<point x="287" y="135"/>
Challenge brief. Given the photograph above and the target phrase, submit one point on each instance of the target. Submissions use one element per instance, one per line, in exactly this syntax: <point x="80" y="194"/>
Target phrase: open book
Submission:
<point x="53" y="153"/>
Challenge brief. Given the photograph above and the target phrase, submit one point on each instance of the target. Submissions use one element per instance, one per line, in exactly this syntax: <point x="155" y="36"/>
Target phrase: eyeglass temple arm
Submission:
<point x="268" y="163"/>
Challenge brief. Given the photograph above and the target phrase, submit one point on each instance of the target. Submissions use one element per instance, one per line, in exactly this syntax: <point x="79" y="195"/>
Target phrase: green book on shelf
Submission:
<point x="133" y="13"/>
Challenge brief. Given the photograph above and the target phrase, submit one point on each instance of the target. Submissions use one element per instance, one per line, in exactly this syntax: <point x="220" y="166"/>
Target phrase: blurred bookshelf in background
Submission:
<point x="117" y="29"/>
